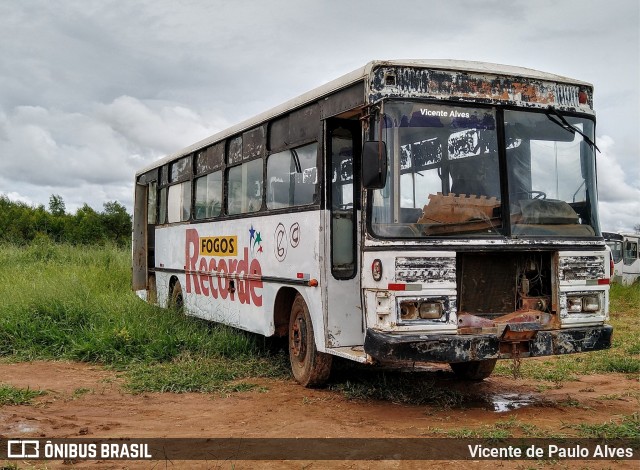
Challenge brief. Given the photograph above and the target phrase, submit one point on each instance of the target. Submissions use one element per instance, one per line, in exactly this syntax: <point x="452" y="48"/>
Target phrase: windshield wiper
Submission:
<point x="554" y="115"/>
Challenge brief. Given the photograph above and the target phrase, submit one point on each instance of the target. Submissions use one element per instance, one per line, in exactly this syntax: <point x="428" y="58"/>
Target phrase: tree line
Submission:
<point x="22" y="223"/>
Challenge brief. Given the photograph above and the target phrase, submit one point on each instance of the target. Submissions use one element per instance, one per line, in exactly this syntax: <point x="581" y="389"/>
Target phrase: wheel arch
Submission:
<point x="173" y="281"/>
<point x="282" y="310"/>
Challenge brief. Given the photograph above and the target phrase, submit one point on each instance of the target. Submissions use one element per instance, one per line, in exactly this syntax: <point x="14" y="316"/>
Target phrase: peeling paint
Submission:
<point x="451" y="348"/>
<point x="477" y="87"/>
<point x="578" y="268"/>
<point x="441" y="269"/>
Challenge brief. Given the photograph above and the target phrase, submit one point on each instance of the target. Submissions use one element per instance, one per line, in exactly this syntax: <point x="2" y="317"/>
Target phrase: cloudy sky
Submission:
<point x="91" y="91"/>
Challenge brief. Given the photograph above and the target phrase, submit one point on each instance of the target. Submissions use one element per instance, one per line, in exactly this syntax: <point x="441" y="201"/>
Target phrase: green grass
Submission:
<point x="623" y="427"/>
<point x="17" y="396"/>
<point x="64" y="302"/>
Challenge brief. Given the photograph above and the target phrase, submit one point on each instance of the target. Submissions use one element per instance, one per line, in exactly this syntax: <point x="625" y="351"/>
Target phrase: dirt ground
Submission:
<point x="88" y="401"/>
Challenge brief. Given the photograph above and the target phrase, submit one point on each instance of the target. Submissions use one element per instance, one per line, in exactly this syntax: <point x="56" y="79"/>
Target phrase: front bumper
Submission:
<point x="392" y="346"/>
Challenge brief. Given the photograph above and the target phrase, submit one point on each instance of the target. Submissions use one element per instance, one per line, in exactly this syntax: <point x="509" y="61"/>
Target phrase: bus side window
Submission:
<point x="152" y="203"/>
<point x="208" y="195"/>
<point x="245" y="187"/>
<point x="630" y="252"/>
<point x="343" y="203"/>
<point x="179" y="202"/>
<point x="162" y="210"/>
<point x="292" y="177"/>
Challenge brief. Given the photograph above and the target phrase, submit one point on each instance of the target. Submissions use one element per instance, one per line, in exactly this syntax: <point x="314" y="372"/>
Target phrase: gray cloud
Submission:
<point x="91" y="90"/>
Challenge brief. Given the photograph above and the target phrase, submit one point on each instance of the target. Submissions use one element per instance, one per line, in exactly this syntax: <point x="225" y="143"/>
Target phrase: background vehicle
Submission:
<point x="437" y="211"/>
<point x="630" y="259"/>
<point x="615" y="242"/>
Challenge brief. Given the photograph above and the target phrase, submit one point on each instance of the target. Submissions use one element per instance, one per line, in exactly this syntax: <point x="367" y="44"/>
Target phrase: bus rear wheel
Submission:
<point x="473" y="370"/>
<point x="176" y="300"/>
<point x="310" y="367"/>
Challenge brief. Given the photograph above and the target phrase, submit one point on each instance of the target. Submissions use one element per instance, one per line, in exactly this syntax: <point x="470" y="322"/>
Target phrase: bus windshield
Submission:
<point x="444" y="174"/>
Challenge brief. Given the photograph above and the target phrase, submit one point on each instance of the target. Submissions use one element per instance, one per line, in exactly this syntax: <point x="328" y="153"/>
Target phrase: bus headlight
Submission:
<point x="591" y="304"/>
<point x="430" y="310"/>
<point x="574" y="304"/>
<point x="421" y="309"/>
<point x="583" y="304"/>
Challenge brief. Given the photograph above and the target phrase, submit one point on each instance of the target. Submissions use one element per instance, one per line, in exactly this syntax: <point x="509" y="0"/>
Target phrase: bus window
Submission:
<point x="253" y="143"/>
<point x="342" y="203"/>
<point x="292" y="177"/>
<point x="179" y="202"/>
<point x="210" y="159"/>
<point x="616" y="250"/>
<point x="208" y="195"/>
<point x="630" y="252"/>
<point x="234" y="152"/>
<point x="152" y="203"/>
<point x="180" y="169"/>
<point x="245" y="188"/>
<point x="162" y="211"/>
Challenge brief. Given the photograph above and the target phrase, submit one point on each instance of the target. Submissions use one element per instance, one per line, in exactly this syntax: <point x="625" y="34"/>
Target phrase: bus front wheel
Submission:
<point x="473" y="370"/>
<point x="310" y="367"/>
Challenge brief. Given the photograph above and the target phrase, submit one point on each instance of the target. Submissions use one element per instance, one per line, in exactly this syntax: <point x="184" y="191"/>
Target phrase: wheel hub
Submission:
<point x="299" y="338"/>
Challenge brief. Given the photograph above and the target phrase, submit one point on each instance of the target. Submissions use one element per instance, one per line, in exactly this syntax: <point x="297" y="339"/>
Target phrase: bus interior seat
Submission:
<point x="410" y="215"/>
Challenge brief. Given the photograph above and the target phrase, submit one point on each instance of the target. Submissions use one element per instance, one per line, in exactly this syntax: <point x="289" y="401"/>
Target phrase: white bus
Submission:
<point x="624" y="252"/>
<point x="423" y="211"/>
<point x="630" y="258"/>
<point x="615" y="242"/>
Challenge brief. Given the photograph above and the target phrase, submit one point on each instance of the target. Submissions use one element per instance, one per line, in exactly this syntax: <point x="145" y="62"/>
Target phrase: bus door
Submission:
<point x="344" y="319"/>
<point x="143" y="240"/>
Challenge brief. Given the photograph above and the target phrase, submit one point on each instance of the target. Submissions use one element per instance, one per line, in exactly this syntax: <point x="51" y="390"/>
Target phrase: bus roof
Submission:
<point x="357" y="76"/>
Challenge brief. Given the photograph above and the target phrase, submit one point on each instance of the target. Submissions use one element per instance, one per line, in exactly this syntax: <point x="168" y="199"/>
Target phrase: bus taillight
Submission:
<point x="376" y="269"/>
<point x="611" y="265"/>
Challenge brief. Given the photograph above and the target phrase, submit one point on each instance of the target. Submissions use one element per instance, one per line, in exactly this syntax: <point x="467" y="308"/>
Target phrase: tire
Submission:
<point x="310" y="367"/>
<point x="176" y="300"/>
<point x="475" y="371"/>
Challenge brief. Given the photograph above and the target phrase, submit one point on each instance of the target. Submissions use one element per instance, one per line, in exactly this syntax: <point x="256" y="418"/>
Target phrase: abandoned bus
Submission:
<point x="423" y="211"/>
<point x="625" y="256"/>
<point x="615" y="243"/>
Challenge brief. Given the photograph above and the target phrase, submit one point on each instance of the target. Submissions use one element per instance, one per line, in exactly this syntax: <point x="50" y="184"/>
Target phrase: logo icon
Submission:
<point x="23" y="449"/>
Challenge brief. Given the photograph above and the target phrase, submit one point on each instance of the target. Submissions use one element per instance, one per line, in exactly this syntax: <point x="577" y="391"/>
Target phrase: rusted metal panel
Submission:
<point x="575" y="340"/>
<point x="343" y="100"/>
<point x="431" y="348"/>
<point x="452" y="348"/>
<point x="472" y="324"/>
<point x="415" y="269"/>
<point x="487" y="283"/>
<point x="400" y="82"/>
